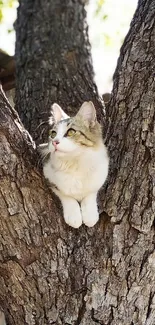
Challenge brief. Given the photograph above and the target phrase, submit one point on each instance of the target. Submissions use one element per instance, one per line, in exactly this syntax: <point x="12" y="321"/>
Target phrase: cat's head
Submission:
<point x="73" y="135"/>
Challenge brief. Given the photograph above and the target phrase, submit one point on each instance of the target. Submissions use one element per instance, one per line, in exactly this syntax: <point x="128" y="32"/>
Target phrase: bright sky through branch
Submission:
<point x="106" y="30"/>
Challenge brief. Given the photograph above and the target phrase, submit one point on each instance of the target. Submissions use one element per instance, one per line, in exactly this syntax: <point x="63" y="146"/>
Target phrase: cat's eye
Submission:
<point x="52" y="134"/>
<point x="70" y="132"/>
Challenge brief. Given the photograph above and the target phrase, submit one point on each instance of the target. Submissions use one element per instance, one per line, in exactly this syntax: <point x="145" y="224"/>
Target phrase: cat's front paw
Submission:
<point x="73" y="220"/>
<point x="90" y="214"/>
<point x="72" y="213"/>
<point x="90" y="220"/>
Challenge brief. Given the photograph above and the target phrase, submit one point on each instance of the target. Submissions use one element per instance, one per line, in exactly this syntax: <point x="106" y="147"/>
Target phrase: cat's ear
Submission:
<point x="88" y="112"/>
<point x="57" y="114"/>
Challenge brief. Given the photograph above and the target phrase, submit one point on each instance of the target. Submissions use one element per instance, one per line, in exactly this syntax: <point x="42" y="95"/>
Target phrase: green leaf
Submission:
<point x="1" y="15"/>
<point x="100" y="4"/>
<point x="10" y="31"/>
<point x="105" y="17"/>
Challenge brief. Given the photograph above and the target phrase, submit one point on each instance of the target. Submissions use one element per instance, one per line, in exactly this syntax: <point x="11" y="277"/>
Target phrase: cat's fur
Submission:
<point x="78" y="165"/>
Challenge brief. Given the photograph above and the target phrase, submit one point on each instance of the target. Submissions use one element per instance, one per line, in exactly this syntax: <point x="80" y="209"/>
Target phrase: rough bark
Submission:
<point x="52" y="274"/>
<point x="130" y="196"/>
<point x="44" y="263"/>
<point x="53" y="61"/>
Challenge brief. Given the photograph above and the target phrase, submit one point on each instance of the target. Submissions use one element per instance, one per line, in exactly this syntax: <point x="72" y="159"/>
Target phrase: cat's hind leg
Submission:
<point x="89" y="210"/>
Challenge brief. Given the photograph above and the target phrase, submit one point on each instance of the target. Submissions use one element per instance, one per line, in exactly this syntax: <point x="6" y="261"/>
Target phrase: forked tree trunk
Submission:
<point x="53" y="61"/>
<point x="53" y="274"/>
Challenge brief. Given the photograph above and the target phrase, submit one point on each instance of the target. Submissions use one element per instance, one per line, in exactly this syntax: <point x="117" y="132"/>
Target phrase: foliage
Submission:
<point x="113" y="19"/>
<point x="99" y="6"/>
<point x="5" y="4"/>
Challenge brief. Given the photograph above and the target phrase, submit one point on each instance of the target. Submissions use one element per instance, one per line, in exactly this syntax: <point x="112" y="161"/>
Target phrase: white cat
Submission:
<point x="76" y="163"/>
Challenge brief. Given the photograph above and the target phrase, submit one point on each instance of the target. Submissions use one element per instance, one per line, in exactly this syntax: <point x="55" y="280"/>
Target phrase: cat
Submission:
<point x="76" y="163"/>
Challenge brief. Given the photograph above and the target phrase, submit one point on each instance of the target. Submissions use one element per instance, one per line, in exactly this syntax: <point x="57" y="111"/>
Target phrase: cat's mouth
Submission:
<point x="57" y="150"/>
<point x="55" y="147"/>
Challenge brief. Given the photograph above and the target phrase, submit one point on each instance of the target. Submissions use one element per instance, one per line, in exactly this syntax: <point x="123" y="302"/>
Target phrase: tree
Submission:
<point x="58" y="61"/>
<point x="51" y="273"/>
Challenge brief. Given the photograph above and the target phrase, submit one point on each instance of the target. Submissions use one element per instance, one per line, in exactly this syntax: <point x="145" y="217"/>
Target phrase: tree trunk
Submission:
<point x="53" y="61"/>
<point x="53" y="274"/>
<point x="44" y="263"/>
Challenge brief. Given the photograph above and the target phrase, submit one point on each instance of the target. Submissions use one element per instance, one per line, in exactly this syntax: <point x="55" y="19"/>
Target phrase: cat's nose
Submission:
<point x="55" y="143"/>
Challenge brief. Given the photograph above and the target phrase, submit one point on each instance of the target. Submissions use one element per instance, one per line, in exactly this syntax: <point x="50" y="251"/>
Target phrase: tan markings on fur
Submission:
<point x="86" y="135"/>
